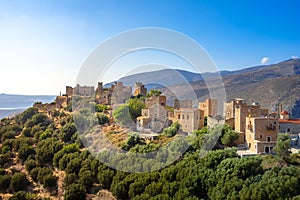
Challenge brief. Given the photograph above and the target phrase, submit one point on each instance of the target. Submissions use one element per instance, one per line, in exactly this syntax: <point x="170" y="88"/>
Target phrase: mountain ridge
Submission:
<point x="270" y="85"/>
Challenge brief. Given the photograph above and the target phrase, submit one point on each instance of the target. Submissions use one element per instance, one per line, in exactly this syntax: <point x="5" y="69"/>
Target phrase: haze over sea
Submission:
<point x="11" y="104"/>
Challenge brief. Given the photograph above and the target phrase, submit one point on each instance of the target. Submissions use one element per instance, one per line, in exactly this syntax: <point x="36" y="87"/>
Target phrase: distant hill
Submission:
<point x="167" y="77"/>
<point x="270" y="85"/>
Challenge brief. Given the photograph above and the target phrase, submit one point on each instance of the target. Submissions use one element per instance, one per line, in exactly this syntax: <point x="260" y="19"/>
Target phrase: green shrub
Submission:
<point x="4" y="182"/>
<point x="75" y="191"/>
<point x="102" y="119"/>
<point x="30" y="164"/>
<point x="18" y="182"/>
<point x="21" y="195"/>
<point x="34" y="173"/>
<point x="49" y="181"/>
<point x="25" y="151"/>
<point x="70" y="179"/>
<point x="172" y="130"/>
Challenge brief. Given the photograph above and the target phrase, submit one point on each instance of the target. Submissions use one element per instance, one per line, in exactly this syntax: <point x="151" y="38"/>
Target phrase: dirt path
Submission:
<point x="60" y="189"/>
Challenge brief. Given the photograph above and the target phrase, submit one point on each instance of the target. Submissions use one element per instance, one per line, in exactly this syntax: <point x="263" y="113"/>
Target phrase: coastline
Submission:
<point x="11" y="105"/>
<point x="4" y="113"/>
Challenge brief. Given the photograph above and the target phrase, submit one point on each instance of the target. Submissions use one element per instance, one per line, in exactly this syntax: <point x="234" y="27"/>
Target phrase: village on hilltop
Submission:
<point x="257" y="127"/>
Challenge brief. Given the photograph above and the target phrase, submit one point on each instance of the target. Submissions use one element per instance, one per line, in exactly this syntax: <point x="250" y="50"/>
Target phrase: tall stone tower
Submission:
<point x="139" y="89"/>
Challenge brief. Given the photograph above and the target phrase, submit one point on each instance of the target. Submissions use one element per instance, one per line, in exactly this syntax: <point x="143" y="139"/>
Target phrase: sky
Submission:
<point x="43" y="44"/>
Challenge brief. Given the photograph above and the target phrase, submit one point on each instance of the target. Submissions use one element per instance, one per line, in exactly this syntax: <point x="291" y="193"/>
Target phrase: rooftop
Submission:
<point x="284" y="112"/>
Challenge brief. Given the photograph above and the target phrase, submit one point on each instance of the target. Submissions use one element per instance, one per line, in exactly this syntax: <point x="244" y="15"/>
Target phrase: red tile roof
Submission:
<point x="284" y="112"/>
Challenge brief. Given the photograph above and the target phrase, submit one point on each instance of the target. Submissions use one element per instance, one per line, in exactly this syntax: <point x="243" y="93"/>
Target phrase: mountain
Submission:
<point x="270" y="85"/>
<point x="166" y="77"/>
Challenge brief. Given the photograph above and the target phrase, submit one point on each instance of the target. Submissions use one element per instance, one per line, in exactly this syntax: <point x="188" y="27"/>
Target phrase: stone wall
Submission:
<point x="69" y="91"/>
<point x="215" y="121"/>
<point x="261" y="134"/>
<point x="61" y="102"/>
<point x="289" y="127"/>
<point x="120" y="93"/>
<point x="84" y="90"/>
<point x="156" y="100"/>
<point x="183" y="104"/>
<point x="210" y="107"/>
<point x="189" y="119"/>
<point x="139" y="89"/>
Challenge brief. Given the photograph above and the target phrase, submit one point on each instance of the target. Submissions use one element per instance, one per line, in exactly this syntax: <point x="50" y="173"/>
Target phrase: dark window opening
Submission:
<point x="267" y="149"/>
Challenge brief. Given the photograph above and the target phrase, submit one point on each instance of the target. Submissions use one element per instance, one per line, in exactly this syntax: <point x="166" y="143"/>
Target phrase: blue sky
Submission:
<point x="44" y="43"/>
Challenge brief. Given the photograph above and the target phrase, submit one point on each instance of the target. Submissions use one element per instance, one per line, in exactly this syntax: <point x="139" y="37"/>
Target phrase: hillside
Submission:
<point x="43" y="157"/>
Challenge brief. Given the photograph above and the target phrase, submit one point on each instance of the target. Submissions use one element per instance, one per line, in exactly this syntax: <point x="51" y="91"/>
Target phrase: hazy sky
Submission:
<point x="44" y="43"/>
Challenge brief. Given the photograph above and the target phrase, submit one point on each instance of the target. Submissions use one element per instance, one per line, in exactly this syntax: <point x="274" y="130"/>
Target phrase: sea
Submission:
<point x="12" y="104"/>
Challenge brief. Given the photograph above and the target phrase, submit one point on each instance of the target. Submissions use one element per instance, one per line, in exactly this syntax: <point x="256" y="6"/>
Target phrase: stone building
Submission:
<point x="241" y="112"/>
<point x="229" y="107"/>
<point x="261" y="134"/>
<point x="287" y="125"/>
<point x="290" y="126"/>
<point x="154" y="116"/>
<point x="236" y="111"/>
<point x="156" y="100"/>
<point x="84" y="90"/>
<point x="209" y="107"/>
<point x="99" y="89"/>
<point x="215" y="121"/>
<point x="104" y="97"/>
<point x="182" y="103"/>
<point x="61" y="102"/>
<point x="120" y="93"/>
<point x="190" y="119"/>
<point x="69" y="91"/>
<point x="139" y="89"/>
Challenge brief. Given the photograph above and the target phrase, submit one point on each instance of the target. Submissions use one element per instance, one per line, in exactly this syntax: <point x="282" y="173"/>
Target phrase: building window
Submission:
<point x="178" y="116"/>
<point x="187" y="117"/>
<point x="274" y="122"/>
<point x="260" y="136"/>
<point x="271" y="149"/>
<point x="288" y="130"/>
<point x="182" y="116"/>
<point x="269" y="138"/>
<point x="249" y="145"/>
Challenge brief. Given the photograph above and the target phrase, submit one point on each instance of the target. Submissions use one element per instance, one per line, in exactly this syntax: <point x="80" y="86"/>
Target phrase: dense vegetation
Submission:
<point x="45" y="146"/>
